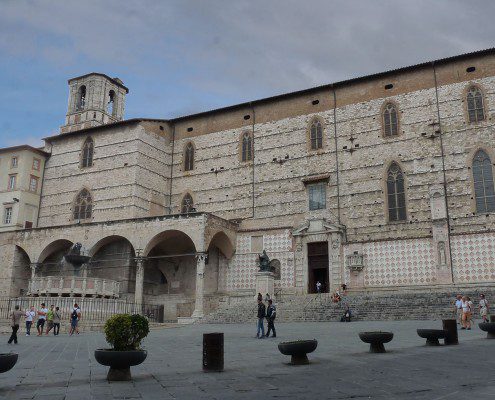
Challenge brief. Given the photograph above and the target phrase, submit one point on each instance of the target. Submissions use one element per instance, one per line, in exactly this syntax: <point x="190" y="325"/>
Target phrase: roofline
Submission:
<point x="103" y="126"/>
<point x="338" y="83"/>
<point x="279" y="96"/>
<point x="103" y="75"/>
<point x="24" y="147"/>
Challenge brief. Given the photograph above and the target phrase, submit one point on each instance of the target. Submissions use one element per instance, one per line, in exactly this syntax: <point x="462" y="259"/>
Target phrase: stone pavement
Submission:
<point x="63" y="367"/>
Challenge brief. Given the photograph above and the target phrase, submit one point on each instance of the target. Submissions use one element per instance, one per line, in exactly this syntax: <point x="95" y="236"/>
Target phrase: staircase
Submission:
<point x="415" y="304"/>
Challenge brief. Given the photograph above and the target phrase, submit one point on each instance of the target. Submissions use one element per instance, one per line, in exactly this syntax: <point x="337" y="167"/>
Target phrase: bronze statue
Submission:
<point x="75" y="249"/>
<point x="264" y="262"/>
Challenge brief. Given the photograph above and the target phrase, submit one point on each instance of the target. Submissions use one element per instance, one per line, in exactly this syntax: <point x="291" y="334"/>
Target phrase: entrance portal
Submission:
<point x="318" y="266"/>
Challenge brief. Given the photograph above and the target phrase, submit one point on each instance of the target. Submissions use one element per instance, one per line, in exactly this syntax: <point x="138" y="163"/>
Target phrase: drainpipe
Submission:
<point x="443" y="169"/>
<point x="254" y="122"/>
<point x="171" y="172"/>
<point x="336" y="152"/>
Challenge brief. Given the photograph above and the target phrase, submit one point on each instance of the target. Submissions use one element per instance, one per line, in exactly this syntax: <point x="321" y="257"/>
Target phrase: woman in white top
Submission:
<point x="467" y="310"/>
<point x="483" y="308"/>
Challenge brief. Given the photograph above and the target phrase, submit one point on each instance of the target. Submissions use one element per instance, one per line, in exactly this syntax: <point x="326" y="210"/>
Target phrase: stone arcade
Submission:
<point x="383" y="181"/>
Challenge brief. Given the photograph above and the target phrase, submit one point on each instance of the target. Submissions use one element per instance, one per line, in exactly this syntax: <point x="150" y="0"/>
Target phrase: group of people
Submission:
<point x="463" y="308"/>
<point x="336" y="296"/>
<point x="51" y="317"/>
<point x="269" y="313"/>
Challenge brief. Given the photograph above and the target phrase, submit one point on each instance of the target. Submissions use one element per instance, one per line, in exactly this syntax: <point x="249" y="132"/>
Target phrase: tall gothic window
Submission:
<point x="390" y="122"/>
<point x="483" y="182"/>
<point x="316" y="135"/>
<point x="187" y="205"/>
<point x="111" y="102"/>
<point x="189" y="157"/>
<point x="83" y="206"/>
<point x="247" y="147"/>
<point x="81" y="97"/>
<point x="476" y="111"/>
<point x="396" y="194"/>
<point x="87" y="153"/>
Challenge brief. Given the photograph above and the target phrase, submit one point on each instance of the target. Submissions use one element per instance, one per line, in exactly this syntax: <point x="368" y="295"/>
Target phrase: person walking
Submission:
<point x="467" y="310"/>
<point x="483" y="307"/>
<point x="49" y="319"/>
<point x="458" y="308"/>
<point x="56" y="321"/>
<point x="318" y="287"/>
<point x="30" y="314"/>
<point x="271" y="313"/>
<point x="75" y="317"/>
<point x="260" y="333"/>
<point x="41" y="319"/>
<point x="15" y="321"/>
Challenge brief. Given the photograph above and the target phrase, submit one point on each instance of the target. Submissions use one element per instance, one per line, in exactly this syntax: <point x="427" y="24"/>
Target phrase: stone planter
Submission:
<point x="298" y="350"/>
<point x="432" y="336"/>
<point x="489" y="328"/>
<point x="7" y="361"/>
<point x="376" y="340"/>
<point x="120" y="362"/>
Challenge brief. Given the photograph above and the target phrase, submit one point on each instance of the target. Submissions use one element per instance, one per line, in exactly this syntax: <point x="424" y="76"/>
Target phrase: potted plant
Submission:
<point x="124" y="332"/>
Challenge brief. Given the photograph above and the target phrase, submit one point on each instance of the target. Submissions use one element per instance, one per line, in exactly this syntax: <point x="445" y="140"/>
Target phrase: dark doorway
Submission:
<point x="317" y="266"/>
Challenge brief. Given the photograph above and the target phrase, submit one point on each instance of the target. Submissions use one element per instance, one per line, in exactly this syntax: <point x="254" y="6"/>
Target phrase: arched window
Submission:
<point x="189" y="157"/>
<point x="396" y="196"/>
<point x="81" y="97"/>
<point x="483" y="182"/>
<point x="111" y="102"/>
<point x="83" y="205"/>
<point x="187" y="205"/>
<point x="316" y="135"/>
<point x="87" y="153"/>
<point x="390" y="123"/>
<point x="476" y="111"/>
<point x="247" y="147"/>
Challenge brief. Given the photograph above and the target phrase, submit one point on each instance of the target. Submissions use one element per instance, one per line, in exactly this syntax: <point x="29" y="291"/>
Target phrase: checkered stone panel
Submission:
<point x="243" y="265"/>
<point x="399" y="263"/>
<point x="473" y="257"/>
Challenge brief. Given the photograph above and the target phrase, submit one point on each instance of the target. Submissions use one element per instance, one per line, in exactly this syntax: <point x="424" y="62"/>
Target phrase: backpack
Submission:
<point x="74" y="314"/>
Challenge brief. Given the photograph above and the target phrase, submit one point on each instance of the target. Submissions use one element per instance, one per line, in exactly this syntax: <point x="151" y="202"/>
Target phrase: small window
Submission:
<point x="111" y="102"/>
<point x="390" y="123"/>
<point x="36" y="164"/>
<point x="189" y="157"/>
<point x="317" y="196"/>
<point x="11" y="182"/>
<point x="396" y="196"/>
<point x="87" y="153"/>
<point x="483" y="183"/>
<point x="14" y="162"/>
<point x="247" y="147"/>
<point x="316" y="135"/>
<point x="475" y="107"/>
<point x="81" y="98"/>
<point x="33" y="184"/>
<point x="83" y="205"/>
<point x="7" y="215"/>
<point x="187" y="205"/>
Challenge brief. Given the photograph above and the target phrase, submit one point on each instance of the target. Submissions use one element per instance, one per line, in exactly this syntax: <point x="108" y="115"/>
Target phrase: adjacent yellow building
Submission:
<point x="21" y="175"/>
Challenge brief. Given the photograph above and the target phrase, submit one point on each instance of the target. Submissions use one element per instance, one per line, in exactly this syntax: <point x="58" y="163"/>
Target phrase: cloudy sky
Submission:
<point x="180" y="57"/>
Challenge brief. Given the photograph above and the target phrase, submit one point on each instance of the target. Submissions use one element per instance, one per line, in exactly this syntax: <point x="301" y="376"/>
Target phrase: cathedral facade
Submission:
<point x="379" y="182"/>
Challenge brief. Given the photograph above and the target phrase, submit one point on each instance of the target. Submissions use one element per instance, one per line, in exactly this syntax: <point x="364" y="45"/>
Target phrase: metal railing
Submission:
<point x="95" y="310"/>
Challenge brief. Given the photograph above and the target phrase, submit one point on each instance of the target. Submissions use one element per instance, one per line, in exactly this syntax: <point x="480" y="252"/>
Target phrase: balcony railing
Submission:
<point x="73" y="286"/>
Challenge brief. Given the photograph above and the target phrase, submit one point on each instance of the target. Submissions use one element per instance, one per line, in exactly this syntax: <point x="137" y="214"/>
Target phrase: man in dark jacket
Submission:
<point x="260" y="334"/>
<point x="271" y="313"/>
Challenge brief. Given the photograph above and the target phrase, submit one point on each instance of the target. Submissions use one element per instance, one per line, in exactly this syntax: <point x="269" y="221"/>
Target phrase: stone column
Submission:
<point x="200" y="272"/>
<point x="138" y="293"/>
<point x="33" y="269"/>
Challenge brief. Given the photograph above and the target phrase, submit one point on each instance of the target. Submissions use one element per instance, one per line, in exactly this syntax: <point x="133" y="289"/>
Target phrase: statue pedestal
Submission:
<point x="265" y="281"/>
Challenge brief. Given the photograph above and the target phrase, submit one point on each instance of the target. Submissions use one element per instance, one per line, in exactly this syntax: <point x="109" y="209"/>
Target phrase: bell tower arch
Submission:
<point x="94" y="99"/>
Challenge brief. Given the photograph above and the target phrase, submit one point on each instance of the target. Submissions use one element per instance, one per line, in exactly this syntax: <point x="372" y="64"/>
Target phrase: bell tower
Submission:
<point x="94" y="99"/>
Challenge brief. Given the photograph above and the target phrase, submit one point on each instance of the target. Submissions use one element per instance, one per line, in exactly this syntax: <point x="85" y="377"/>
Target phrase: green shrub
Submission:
<point x="125" y="332"/>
